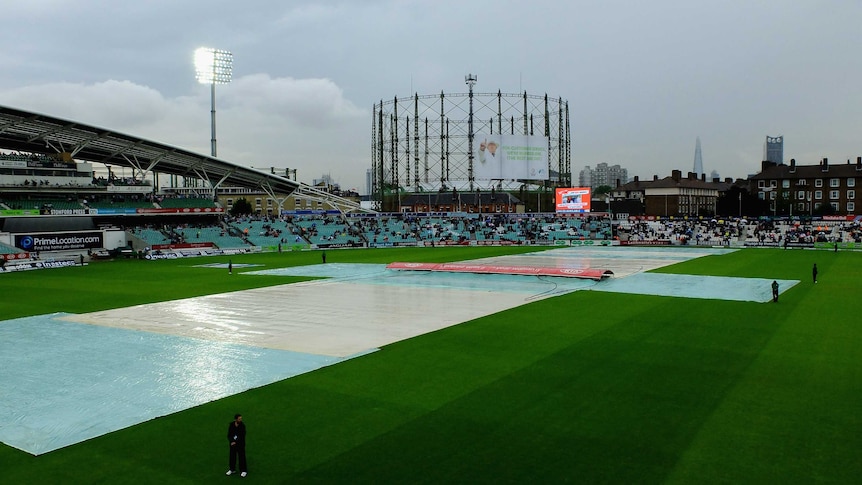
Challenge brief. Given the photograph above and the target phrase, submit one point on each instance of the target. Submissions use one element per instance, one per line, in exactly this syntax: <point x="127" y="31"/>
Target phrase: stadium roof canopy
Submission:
<point x="37" y="133"/>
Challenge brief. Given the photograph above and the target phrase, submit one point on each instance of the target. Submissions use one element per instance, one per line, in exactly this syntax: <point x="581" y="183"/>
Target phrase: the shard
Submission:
<point x="698" y="159"/>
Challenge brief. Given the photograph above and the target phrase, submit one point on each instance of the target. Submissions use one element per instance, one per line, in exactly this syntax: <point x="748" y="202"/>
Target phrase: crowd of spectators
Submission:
<point x="106" y="200"/>
<point x="406" y="229"/>
<point x="45" y="183"/>
<point x="796" y="232"/>
<point x="119" y="181"/>
<point x="269" y="232"/>
<point x="323" y="230"/>
<point x="711" y="232"/>
<point x="538" y="229"/>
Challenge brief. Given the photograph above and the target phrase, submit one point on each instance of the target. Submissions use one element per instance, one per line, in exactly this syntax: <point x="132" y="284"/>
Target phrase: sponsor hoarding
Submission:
<point x="182" y="210"/>
<point x="573" y="200"/>
<point x="31" y="265"/>
<point x="14" y="256"/>
<point x="510" y="157"/>
<point x="59" y="241"/>
<point x="19" y="212"/>
<point x="183" y="245"/>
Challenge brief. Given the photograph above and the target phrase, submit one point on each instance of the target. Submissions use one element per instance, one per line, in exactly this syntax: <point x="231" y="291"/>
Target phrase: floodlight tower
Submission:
<point x="213" y="66"/>
<point x="470" y="80"/>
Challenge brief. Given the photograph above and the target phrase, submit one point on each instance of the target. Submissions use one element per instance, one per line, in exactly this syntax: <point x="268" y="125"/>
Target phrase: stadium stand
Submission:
<point x="185" y="203"/>
<point x="326" y="230"/>
<point x="151" y="236"/>
<point x="6" y="249"/>
<point x="219" y="236"/>
<point x="55" y="203"/>
<point x="262" y="233"/>
<point x="118" y="203"/>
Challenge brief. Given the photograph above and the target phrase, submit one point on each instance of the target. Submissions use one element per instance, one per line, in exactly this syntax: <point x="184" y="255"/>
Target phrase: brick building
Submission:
<point x="671" y="196"/>
<point x="808" y="189"/>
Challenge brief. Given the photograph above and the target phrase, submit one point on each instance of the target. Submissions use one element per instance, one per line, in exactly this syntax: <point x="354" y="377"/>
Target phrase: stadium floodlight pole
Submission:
<point x="213" y="66"/>
<point x="470" y="80"/>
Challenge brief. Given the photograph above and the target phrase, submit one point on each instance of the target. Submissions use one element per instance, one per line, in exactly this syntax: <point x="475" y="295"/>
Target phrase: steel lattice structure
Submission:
<point x="425" y="142"/>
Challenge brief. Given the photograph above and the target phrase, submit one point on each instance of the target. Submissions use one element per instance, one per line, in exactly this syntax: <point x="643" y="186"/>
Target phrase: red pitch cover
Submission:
<point x="589" y="273"/>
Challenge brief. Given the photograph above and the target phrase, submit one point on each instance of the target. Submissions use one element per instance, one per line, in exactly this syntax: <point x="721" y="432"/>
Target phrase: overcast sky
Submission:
<point x="643" y="79"/>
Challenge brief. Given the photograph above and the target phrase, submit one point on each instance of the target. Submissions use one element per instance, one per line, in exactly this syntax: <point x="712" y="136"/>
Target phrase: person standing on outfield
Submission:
<point x="236" y="438"/>
<point x="774" y="290"/>
<point x="814" y="273"/>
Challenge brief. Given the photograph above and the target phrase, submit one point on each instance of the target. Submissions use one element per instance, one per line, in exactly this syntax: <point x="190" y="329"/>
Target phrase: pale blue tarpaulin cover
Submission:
<point x="63" y="382"/>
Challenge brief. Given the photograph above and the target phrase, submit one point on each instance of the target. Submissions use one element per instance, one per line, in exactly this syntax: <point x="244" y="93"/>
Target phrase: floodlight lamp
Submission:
<point x="213" y="66"/>
<point x="470" y="79"/>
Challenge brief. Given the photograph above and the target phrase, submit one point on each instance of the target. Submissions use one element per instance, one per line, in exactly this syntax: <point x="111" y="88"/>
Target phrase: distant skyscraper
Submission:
<point x="603" y="174"/>
<point x="585" y="178"/>
<point x="773" y="149"/>
<point x="698" y="159"/>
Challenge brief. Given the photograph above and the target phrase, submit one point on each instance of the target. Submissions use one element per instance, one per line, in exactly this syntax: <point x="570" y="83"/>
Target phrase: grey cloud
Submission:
<point x="311" y="102"/>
